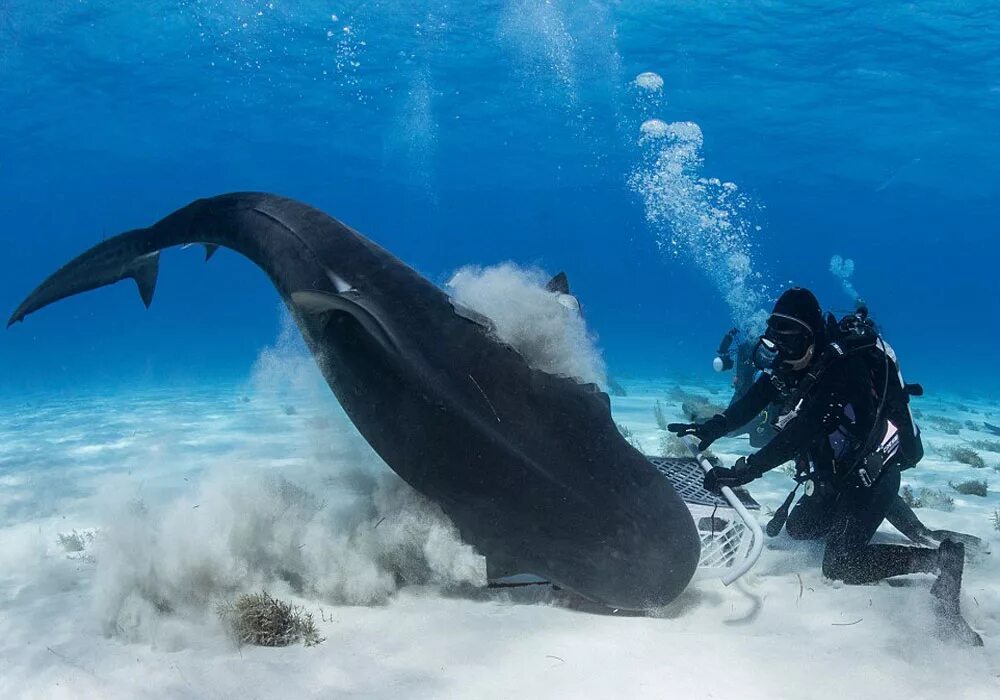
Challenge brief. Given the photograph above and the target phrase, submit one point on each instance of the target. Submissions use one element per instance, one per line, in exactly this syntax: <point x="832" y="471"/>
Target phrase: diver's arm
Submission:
<point x="784" y="446"/>
<point x="758" y="397"/>
<point x="802" y="429"/>
<point x="739" y="413"/>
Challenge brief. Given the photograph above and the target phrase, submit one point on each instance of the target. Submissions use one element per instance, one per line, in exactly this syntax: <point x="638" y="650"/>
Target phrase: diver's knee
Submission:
<point x="797" y="532"/>
<point x="836" y="564"/>
<point x="803" y="528"/>
<point x="833" y="568"/>
<point x="840" y="566"/>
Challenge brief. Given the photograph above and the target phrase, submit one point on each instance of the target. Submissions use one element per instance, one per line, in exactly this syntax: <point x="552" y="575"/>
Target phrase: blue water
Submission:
<point x="476" y="132"/>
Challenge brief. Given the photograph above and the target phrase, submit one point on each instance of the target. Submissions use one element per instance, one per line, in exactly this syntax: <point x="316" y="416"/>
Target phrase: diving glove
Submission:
<point x="707" y="432"/>
<point x="741" y="473"/>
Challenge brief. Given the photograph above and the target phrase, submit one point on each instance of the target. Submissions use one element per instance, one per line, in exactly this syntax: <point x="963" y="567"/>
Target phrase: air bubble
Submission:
<point x="654" y="128"/>
<point x="649" y="81"/>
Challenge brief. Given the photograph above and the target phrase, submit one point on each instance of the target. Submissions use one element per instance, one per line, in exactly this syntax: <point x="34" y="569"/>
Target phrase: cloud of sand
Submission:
<point x="338" y="526"/>
<point x="550" y="336"/>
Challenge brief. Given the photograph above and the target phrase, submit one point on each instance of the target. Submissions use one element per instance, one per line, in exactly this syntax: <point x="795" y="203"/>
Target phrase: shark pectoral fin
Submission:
<point x="319" y="303"/>
<point x="315" y="303"/>
<point x="145" y="272"/>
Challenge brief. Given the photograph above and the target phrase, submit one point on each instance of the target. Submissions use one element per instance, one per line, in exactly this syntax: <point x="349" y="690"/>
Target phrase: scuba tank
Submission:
<point x="894" y="437"/>
<point x="894" y="431"/>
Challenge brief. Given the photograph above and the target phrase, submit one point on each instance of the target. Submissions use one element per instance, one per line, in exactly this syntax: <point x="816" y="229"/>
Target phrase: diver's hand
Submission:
<point x="707" y="432"/>
<point x="740" y="474"/>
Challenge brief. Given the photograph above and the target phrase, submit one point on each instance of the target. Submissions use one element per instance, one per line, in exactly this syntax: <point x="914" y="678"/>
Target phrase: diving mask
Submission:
<point x="787" y="341"/>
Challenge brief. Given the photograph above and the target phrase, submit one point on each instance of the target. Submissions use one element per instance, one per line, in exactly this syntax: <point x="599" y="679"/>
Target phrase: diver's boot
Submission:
<point x="947" y="590"/>
<point x="902" y="517"/>
<point x="948" y="587"/>
<point x="973" y="545"/>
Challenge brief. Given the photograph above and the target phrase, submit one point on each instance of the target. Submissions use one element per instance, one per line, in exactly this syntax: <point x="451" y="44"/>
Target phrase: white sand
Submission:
<point x="215" y="519"/>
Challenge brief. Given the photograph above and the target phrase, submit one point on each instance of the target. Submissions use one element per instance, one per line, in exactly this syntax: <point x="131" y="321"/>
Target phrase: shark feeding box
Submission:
<point x="731" y="537"/>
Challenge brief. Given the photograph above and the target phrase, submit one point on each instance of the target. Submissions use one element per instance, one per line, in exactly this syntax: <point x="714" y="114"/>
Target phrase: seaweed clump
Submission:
<point x="987" y="445"/>
<point x="629" y="436"/>
<point x="972" y="487"/>
<point x="966" y="455"/>
<point x="946" y="425"/>
<point x="700" y="410"/>
<point x="673" y="446"/>
<point x="661" y="418"/>
<point x="78" y="545"/>
<point x="262" y="620"/>
<point x="927" y="498"/>
<point x="76" y="541"/>
<point x="693" y="406"/>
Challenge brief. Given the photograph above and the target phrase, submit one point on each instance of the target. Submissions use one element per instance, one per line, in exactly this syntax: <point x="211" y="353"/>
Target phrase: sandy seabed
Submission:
<point x="125" y="520"/>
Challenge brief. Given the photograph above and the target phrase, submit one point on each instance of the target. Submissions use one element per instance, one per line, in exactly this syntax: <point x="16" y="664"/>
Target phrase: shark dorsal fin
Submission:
<point x="559" y="283"/>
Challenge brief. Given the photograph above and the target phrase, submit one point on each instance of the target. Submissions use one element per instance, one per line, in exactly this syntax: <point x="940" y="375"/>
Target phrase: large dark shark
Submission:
<point x="529" y="466"/>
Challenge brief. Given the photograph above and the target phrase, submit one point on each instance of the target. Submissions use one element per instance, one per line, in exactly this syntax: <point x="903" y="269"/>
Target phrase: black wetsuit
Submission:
<point x="841" y="403"/>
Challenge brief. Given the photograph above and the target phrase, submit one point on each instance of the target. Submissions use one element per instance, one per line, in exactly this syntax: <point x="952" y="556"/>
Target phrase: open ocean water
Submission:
<point x="681" y="161"/>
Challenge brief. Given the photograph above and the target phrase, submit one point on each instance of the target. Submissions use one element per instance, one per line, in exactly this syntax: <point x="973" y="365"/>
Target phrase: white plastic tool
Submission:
<point x="733" y="549"/>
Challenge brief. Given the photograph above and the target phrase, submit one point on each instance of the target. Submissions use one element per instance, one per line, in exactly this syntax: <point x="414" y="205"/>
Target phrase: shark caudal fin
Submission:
<point x="111" y="261"/>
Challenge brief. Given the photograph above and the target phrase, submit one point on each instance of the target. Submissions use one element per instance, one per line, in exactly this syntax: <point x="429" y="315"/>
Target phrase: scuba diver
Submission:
<point x="846" y="422"/>
<point x="736" y="353"/>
